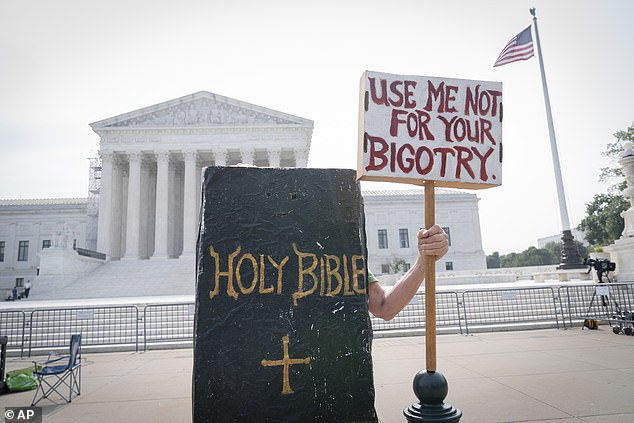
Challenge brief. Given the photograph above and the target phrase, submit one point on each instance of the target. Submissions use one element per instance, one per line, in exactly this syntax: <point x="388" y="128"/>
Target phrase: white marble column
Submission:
<point x="248" y="156"/>
<point x="123" y="196"/>
<point x="162" y="205"/>
<point x="104" y="223"/>
<point x="275" y="156"/>
<point x="116" y="231"/>
<point x="174" y="236"/>
<point x="301" y="157"/>
<point x="627" y="163"/>
<point x="149" y="209"/>
<point x="146" y="211"/>
<point x="134" y="207"/>
<point x="190" y="212"/>
<point x="220" y="157"/>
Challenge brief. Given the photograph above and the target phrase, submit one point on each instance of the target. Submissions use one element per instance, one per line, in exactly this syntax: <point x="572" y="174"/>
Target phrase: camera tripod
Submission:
<point x="623" y="319"/>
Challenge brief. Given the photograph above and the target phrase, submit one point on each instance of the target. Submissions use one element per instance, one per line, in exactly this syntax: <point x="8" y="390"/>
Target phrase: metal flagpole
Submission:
<point x="570" y="258"/>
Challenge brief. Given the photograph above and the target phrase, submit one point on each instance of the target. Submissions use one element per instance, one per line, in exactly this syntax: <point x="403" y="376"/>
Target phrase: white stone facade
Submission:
<point x="29" y="226"/>
<point x="394" y="217"/>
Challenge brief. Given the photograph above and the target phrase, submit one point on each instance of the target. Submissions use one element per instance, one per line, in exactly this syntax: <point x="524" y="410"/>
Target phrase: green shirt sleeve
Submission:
<point x="371" y="277"/>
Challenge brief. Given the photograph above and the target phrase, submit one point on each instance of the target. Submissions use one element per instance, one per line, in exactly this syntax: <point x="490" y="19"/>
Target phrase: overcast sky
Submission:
<point x="67" y="63"/>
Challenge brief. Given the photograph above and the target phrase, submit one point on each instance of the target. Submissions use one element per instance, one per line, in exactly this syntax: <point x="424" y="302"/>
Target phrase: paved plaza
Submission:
<point x="562" y="376"/>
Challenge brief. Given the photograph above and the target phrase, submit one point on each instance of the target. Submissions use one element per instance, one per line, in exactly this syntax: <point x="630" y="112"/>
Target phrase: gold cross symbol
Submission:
<point x="286" y="362"/>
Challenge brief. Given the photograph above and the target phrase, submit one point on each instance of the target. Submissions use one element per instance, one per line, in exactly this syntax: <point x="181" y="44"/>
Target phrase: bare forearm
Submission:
<point x="388" y="303"/>
<point x="394" y="299"/>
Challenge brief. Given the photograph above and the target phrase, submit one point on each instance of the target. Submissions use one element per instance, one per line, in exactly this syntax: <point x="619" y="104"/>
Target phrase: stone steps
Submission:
<point x="123" y="278"/>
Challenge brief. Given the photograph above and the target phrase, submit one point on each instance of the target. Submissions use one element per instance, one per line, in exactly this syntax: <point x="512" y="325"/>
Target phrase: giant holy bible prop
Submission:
<point x="282" y="331"/>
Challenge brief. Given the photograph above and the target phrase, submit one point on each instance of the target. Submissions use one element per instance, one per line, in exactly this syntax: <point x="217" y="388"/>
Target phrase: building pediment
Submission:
<point x="202" y="109"/>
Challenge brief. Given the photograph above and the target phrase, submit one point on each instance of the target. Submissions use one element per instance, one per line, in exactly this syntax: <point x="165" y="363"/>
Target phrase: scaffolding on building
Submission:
<point x="94" y="183"/>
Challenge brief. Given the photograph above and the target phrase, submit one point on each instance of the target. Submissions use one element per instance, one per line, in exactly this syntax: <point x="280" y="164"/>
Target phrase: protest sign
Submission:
<point x="417" y="128"/>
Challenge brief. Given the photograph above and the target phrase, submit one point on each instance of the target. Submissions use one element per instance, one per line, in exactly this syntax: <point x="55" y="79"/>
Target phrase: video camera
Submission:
<point x="602" y="266"/>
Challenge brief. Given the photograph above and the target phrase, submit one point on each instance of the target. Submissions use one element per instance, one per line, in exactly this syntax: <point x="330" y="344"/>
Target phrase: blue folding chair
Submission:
<point x="61" y="372"/>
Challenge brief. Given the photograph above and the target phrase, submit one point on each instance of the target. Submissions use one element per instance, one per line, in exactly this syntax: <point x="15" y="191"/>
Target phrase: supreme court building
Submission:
<point x="144" y="192"/>
<point x="151" y="161"/>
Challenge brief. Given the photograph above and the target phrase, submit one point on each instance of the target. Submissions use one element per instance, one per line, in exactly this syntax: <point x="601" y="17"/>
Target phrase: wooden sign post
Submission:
<point x="430" y="131"/>
<point x="430" y="285"/>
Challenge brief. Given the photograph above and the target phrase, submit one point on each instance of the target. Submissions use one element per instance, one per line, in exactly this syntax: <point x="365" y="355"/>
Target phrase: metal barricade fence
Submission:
<point x="575" y="301"/>
<point x="172" y="324"/>
<point x="12" y="325"/>
<point x="611" y="302"/>
<point x="413" y="315"/>
<point x="509" y="306"/>
<point x="168" y="323"/>
<point x="99" y="326"/>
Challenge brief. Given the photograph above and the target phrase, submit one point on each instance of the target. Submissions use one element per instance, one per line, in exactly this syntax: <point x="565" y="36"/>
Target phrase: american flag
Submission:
<point x="519" y="48"/>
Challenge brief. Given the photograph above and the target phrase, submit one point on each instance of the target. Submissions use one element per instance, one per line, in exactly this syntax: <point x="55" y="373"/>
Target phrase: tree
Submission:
<point x="603" y="222"/>
<point x="555" y="250"/>
<point x="612" y="152"/>
<point x="397" y="265"/>
<point x="537" y="257"/>
<point x="532" y="256"/>
<point x="493" y="260"/>
<point x="510" y="260"/>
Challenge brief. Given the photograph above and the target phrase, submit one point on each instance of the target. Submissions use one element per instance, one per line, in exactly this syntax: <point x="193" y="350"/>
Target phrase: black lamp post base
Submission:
<point x="445" y="413"/>
<point x="431" y="389"/>
<point x="570" y="258"/>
